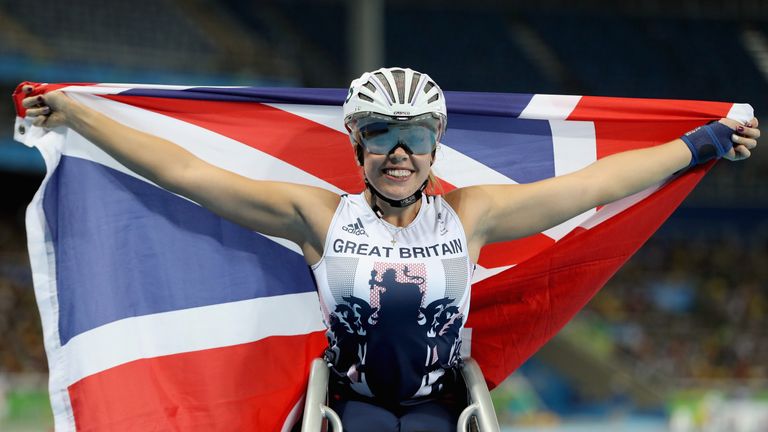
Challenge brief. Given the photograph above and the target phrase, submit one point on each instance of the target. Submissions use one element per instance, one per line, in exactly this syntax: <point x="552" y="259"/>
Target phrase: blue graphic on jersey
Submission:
<point x="392" y="342"/>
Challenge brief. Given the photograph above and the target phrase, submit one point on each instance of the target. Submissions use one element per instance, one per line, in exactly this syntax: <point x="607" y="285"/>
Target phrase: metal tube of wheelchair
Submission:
<point x="481" y="405"/>
<point x="315" y="409"/>
<point x="333" y="418"/>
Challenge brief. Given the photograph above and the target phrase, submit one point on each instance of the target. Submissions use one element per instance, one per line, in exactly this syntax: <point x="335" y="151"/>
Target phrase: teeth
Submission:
<point x="398" y="172"/>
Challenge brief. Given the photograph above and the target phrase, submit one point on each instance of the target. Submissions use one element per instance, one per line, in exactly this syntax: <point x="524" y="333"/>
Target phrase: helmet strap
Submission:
<point x="359" y="154"/>
<point x="405" y="202"/>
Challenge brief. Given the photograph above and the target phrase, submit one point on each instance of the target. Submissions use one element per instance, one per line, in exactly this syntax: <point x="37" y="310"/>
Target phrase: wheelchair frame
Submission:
<point x="478" y="416"/>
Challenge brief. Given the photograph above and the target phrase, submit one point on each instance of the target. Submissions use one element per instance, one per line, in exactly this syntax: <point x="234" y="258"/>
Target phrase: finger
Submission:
<point x="754" y="132"/>
<point x="39" y="121"/>
<point x="747" y="142"/>
<point x="743" y="152"/>
<point x="753" y="123"/>
<point x="750" y="132"/>
<point x="36" y="112"/>
<point x="27" y="88"/>
<point x="31" y="102"/>
<point x="747" y="131"/>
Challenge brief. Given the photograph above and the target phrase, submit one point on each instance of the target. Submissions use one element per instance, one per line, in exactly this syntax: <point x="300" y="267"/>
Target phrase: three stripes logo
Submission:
<point x="356" y="228"/>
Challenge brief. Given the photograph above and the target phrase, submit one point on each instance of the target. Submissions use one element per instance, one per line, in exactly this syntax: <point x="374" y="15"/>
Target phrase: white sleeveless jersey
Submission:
<point x="394" y="299"/>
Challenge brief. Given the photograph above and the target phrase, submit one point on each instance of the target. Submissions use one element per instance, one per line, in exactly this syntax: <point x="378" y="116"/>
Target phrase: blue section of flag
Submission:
<point x="493" y="104"/>
<point x="314" y="96"/>
<point x="127" y="248"/>
<point x="486" y="104"/>
<point x="520" y="149"/>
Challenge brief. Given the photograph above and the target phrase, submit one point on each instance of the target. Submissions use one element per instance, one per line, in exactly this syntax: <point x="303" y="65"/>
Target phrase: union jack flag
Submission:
<point x="159" y="315"/>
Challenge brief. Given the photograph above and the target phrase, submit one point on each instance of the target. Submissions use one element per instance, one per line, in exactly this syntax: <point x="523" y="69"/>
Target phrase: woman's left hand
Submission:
<point x="744" y="138"/>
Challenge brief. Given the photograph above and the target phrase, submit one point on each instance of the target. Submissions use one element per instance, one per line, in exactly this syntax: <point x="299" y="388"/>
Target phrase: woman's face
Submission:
<point x="398" y="174"/>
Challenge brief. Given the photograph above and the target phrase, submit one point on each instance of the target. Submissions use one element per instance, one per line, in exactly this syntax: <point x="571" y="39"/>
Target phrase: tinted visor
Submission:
<point x="381" y="134"/>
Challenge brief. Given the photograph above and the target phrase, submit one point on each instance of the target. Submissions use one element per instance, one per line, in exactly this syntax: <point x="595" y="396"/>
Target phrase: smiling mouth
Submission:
<point x="397" y="174"/>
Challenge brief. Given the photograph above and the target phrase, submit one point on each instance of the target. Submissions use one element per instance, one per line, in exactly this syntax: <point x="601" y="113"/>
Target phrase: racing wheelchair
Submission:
<point x="478" y="416"/>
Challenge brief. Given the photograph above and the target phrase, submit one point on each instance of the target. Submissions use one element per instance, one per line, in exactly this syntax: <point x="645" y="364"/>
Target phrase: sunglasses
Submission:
<point x="381" y="134"/>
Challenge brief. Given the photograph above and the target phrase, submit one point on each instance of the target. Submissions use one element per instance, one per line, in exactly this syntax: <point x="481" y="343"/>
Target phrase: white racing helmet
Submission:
<point x="390" y="107"/>
<point x="400" y="93"/>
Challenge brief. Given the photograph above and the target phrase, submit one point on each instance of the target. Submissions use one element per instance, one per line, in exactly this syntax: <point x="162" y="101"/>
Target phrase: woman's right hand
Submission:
<point x="47" y="110"/>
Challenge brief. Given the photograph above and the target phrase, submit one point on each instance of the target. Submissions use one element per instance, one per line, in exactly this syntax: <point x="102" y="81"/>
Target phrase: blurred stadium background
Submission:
<point x="677" y="341"/>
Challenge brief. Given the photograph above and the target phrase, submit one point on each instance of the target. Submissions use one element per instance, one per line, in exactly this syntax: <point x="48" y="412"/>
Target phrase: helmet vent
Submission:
<point x="399" y="76"/>
<point x="414" y="82"/>
<point x="428" y="87"/>
<point x="383" y="80"/>
<point x="369" y="85"/>
<point x="434" y="98"/>
<point x="365" y="97"/>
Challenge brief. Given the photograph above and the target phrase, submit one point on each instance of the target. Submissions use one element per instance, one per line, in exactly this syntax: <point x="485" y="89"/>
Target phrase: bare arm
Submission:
<point x="297" y="212"/>
<point x="493" y="213"/>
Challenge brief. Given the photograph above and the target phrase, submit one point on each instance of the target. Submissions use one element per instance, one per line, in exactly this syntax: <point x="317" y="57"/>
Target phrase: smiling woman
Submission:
<point x="395" y="118"/>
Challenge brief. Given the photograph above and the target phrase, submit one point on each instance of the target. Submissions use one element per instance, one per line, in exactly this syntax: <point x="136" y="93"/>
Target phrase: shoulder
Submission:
<point x="317" y="209"/>
<point x="472" y="205"/>
<point x="468" y="205"/>
<point x="317" y="198"/>
<point x="468" y="201"/>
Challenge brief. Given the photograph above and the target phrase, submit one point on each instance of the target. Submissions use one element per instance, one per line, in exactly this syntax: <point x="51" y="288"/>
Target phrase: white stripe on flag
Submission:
<point x="461" y="170"/>
<point x="482" y="273"/>
<point x="109" y="88"/>
<point x="741" y="112"/>
<point x="326" y="115"/>
<point x="550" y="107"/>
<point x="574" y="147"/>
<point x="43" y="264"/>
<point x="189" y="330"/>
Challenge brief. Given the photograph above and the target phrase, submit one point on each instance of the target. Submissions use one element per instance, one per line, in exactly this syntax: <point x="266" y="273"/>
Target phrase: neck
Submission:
<point x="397" y="216"/>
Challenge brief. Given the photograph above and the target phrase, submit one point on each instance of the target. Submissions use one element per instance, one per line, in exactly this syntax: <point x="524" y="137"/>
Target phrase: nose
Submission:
<point x="398" y="153"/>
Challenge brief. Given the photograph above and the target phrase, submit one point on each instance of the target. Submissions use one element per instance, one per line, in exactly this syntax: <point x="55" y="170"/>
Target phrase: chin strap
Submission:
<point x="405" y="202"/>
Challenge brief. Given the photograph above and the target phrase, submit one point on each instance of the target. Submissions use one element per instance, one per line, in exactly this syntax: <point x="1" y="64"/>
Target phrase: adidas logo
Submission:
<point x="355" y="228"/>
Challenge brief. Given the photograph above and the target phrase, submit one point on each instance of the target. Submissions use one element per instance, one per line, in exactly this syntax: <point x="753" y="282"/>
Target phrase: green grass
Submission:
<point x="26" y="410"/>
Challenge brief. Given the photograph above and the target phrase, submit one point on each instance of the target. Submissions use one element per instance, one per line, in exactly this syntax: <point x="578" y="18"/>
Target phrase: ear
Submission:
<point x="434" y="155"/>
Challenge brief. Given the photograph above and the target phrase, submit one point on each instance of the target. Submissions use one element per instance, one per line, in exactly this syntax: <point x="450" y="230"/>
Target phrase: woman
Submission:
<point x="393" y="267"/>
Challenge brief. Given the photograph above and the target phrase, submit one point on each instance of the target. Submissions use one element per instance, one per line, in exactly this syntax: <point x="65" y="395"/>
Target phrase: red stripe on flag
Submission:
<point x="625" y="124"/>
<point x="281" y="134"/>
<point x="248" y="387"/>
<point x="513" y="252"/>
<point x="516" y="312"/>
